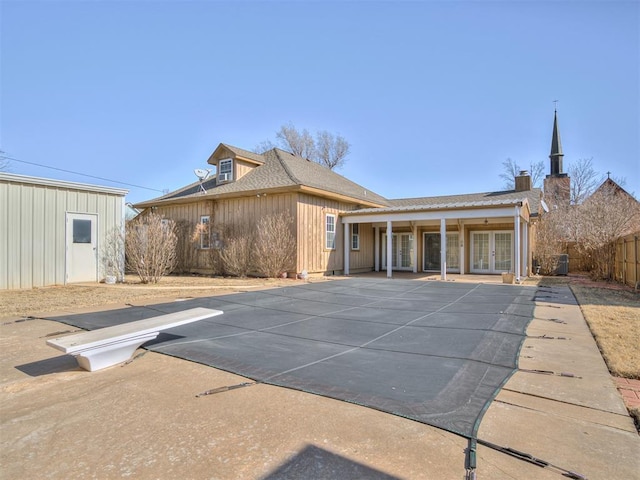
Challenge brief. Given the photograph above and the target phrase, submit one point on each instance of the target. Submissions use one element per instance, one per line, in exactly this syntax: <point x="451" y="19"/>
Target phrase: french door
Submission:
<point x="432" y="250"/>
<point x="491" y="252"/>
<point x="402" y="251"/>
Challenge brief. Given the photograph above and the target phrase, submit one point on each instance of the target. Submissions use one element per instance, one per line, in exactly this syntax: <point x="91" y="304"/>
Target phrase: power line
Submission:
<point x="78" y="173"/>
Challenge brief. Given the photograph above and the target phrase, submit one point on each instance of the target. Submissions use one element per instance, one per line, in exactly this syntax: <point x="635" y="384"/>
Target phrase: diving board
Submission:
<point x="105" y="347"/>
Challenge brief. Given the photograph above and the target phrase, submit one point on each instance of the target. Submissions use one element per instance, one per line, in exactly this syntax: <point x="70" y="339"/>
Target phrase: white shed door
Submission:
<point x="82" y="247"/>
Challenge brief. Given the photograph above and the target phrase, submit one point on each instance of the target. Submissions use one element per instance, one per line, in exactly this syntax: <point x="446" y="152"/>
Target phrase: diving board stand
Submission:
<point x="104" y="347"/>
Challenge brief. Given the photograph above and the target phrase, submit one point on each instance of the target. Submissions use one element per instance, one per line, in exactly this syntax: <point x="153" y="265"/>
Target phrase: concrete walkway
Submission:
<point x="143" y="420"/>
<point x="574" y="416"/>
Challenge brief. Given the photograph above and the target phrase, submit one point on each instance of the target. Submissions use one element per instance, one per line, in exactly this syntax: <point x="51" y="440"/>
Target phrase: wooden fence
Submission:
<point x="627" y="265"/>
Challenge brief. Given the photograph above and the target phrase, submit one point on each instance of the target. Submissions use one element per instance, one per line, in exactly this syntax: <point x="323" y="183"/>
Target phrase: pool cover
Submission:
<point x="434" y="352"/>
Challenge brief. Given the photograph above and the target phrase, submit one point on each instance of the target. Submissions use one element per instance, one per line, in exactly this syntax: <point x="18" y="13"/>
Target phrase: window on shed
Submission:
<point x="81" y="231"/>
<point x="355" y="236"/>
<point x="204" y="228"/>
<point x="330" y="231"/>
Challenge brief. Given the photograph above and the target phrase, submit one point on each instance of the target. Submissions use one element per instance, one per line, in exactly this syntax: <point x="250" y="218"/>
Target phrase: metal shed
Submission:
<point x="51" y="231"/>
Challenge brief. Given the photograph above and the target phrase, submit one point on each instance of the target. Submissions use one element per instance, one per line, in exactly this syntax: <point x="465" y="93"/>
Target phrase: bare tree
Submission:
<point x="151" y="247"/>
<point x="511" y="170"/>
<point x="275" y="245"/>
<point x="327" y="149"/>
<point x="536" y="170"/>
<point x="550" y="235"/>
<point x="298" y="143"/>
<point x="608" y="214"/>
<point x="584" y="180"/>
<point x="264" y="146"/>
<point x="331" y="150"/>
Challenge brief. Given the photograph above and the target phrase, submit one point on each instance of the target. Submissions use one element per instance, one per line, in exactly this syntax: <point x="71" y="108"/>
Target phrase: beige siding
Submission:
<point x="190" y="214"/>
<point x="363" y="259"/>
<point x="243" y="211"/>
<point x="32" y="229"/>
<point x="242" y="168"/>
<point x="312" y="254"/>
<point x="248" y="210"/>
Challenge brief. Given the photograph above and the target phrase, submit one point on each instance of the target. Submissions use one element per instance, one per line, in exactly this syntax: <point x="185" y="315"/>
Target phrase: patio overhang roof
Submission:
<point x="467" y="210"/>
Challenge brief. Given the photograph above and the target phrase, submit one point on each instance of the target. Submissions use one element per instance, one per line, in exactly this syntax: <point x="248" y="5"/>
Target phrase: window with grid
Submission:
<point x="330" y="232"/>
<point x="355" y="236"/>
<point x="225" y="170"/>
<point x="204" y="229"/>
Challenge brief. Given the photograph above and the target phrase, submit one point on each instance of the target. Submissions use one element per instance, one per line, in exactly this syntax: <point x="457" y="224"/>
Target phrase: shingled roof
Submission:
<point x="279" y="170"/>
<point x="469" y="200"/>
<point x="282" y="171"/>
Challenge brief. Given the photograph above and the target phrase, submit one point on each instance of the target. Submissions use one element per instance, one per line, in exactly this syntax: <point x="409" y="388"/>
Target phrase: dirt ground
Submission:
<point x="45" y="300"/>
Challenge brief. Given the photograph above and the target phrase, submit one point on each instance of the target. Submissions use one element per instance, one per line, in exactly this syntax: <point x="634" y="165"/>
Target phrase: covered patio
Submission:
<point x="485" y="236"/>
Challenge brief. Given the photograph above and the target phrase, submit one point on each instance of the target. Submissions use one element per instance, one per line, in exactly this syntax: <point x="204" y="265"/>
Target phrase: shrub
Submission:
<point x="186" y="251"/>
<point x="275" y="245"/>
<point x="151" y="247"/>
<point x="112" y="254"/>
<point x="236" y="254"/>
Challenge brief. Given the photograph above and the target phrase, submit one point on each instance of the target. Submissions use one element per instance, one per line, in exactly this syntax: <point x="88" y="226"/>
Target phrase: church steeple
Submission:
<point x="556" y="148"/>
<point x="557" y="185"/>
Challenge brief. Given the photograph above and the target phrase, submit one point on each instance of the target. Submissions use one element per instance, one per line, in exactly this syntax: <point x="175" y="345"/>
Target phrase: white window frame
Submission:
<point x="225" y="174"/>
<point x="355" y="236"/>
<point x="205" y="232"/>
<point x="330" y="231"/>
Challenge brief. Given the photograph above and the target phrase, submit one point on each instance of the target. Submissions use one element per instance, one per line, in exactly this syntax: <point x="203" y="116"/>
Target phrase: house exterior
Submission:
<point x="51" y="230"/>
<point x="341" y="227"/>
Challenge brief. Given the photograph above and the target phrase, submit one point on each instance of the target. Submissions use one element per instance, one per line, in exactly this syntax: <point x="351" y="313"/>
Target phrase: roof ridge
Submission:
<point x="286" y="168"/>
<point x="465" y="194"/>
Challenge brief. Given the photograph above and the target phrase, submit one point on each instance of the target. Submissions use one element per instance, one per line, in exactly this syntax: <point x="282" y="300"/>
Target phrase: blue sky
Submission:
<point x="432" y="96"/>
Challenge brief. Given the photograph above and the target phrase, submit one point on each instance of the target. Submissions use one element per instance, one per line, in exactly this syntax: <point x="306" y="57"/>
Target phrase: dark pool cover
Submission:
<point x="435" y="352"/>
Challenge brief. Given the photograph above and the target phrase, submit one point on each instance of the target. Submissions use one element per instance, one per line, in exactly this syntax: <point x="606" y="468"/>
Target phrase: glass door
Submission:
<point x="431" y="256"/>
<point x="480" y="252"/>
<point x="405" y="255"/>
<point x="432" y="249"/>
<point x="491" y="252"/>
<point x="503" y="252"/>
<point x="402" y="256"/>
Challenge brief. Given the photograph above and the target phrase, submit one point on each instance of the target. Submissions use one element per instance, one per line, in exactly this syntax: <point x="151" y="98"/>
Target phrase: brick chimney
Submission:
<point x="523" y="181"/>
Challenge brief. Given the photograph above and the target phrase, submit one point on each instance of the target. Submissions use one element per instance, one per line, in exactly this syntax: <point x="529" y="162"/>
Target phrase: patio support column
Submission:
<point x="461" y="245"/>
<point x="414" y="232"/>
<point x="525" y="249"/>
<point x="389" y="249"/>
<point x="443" y="249"/>
<point x="376" y="248"/>
<point x="347" y="245"/>
<point x="516" y="230"/>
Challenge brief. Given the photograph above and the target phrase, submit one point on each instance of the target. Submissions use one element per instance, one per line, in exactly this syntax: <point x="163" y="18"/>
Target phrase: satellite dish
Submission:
<point x="544" y="206"/>
<point x="202" y="174"/>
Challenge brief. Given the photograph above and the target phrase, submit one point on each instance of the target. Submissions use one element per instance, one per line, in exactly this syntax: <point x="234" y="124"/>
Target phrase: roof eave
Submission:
<point x="427" y="208"/>
<point x="341" y="197"/>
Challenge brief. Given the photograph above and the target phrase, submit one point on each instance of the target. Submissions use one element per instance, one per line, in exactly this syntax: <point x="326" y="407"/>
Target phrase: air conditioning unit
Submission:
<point x="224" y="177"/>
<point x="563" y="265"/>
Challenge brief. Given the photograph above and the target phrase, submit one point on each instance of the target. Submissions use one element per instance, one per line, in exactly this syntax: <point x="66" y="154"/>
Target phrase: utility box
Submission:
<point x="563" y="265"/>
